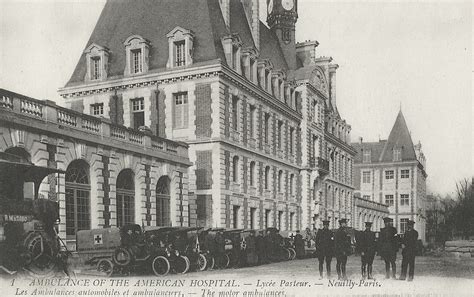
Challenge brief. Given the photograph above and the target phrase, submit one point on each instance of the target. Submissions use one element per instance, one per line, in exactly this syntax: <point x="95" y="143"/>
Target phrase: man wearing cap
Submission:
<point x="299" y="245"/>
<point x="324" y="248"/>
<point x="409" y="251"/>
<point x="366" y="245"/>
<point x="388" y="247"/>
<point x="342" y="243"/>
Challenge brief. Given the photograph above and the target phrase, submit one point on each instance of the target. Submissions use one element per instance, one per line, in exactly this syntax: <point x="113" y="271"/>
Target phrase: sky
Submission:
<point x="413" y="55"/>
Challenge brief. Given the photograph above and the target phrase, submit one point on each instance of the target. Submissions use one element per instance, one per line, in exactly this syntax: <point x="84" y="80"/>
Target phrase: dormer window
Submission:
<point x="180" y="56"/>
<point x="235" y="57"/>
<point x="95" y="68"/>
<point x="137" y="66"/>
<point x="397" y="155"/>
<point x="180" y="42"/>
<point x="366" y="158"/>
<point x="232" y="47"/>
<point x="97" y="59"/>
<point x="136" y="49"/>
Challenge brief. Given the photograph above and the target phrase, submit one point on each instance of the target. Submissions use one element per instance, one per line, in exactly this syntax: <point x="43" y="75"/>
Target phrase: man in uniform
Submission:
<point x="299" y="245"/>
<point x="324" y="248"/>
<point x="388" y="247"/>
<point x="342" y="248"/>
<point x="409" y="251"/>
<point x="367" y="245"/>
<point x="260" y="245"/>
<point x="251" y="249"/>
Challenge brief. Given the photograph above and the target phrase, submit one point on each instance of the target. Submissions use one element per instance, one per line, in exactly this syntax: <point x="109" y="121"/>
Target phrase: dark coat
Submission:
<point x="299" y="245"/>
<point x="342" y="243"/>
<point x="220" y="243"/>
<point x="325" y="242"/>
<point x="366" y="242"/>
<point x="388" y="241"/>
<point x="251" y="243"/>
<point x="409" y="240"/>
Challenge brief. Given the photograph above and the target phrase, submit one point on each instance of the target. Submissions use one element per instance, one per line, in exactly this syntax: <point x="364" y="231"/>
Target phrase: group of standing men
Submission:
<point x="338" y="244"/>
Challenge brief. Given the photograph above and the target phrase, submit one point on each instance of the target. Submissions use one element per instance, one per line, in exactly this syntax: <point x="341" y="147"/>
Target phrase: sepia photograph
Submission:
<point x="236" y="148"/>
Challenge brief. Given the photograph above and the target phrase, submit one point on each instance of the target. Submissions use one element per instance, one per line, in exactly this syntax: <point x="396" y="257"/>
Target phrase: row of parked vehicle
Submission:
<point x="163" y="250"/>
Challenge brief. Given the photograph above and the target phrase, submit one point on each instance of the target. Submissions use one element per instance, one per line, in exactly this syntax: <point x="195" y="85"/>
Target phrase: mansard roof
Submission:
<point x="154" y="19"/>
<point x="382" y="151"/>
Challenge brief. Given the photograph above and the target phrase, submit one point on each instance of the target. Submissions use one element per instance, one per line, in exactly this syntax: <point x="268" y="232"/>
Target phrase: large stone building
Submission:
<point x="393" y="172"/>
<point x="113" y="175"/>
<point x="257" y="110"/>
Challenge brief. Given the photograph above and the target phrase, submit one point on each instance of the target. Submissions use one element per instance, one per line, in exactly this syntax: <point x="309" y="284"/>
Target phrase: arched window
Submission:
<point x="78" y="205"/>
<point x="20" y="152"/>
<point x="267" y="177"/>
<point x="280" y="181"/>
<point x="235" y="169"/>
<point x="163" y="202"/>
<point x="125" y="198"/>
<point x="252" y="173"/>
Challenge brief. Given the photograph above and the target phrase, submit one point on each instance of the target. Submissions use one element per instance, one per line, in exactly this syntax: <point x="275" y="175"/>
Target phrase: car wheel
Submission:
<point x="160" y="266"/>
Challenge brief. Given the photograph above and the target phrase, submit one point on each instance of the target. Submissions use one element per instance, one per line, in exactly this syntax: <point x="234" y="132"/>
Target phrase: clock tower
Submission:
<point x="281" y="18"/>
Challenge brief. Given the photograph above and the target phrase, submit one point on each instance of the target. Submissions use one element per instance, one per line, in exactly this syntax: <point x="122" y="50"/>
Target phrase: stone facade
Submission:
<point x="392" y="172"/>
<point x="266" y="141"/>
<point x="53" y="136"/>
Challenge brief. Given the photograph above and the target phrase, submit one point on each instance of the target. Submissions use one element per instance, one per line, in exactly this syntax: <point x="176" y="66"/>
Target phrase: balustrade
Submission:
<point x="48" y="111"/>
<point x="91" y="124"/>
<point x="31" y="108"/>
<point x="6" y="102"/>
<point x="67" y="118"/>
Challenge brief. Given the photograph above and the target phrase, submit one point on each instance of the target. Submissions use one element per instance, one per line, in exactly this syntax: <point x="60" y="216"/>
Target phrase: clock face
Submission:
<point x="270" y="6"/>
<point x="287" y="4"/>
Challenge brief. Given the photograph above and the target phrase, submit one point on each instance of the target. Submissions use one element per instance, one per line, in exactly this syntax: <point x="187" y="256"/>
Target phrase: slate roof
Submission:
<point x="270" y="48"/>
<point x="382" y="151"/>
<point x="153" y="19"/>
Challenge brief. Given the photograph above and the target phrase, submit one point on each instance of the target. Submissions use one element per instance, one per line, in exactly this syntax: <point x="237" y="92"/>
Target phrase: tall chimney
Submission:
<point x="332" y="83"/>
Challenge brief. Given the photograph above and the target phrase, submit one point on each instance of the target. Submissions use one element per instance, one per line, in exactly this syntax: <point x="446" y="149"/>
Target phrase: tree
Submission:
<point x="463" y="212"/>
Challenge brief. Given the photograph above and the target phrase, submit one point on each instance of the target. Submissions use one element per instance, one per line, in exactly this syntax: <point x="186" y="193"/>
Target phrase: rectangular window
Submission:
<point x="235" y="113"/>
<point x="280" y="220"/>
<point x="235" y="51"/>
<point x="235" y="212"/>
<point x="180" y="53"/>
<point x="403" y="225"/>
<point x="267" y="127"/>
<point x="397" y="155"/>
<point x="280" y="134"/>
<point x="366" y="156"/>
<point x="292" y="135"/>
<point x="366" y="197"/>
<point x="389" y="174"/>
<point x="180" y="115"/>
<point x="267" y="218"/>
<point x="404" y="199"/>
<point x="253" y="213"/>
<point x="252" y="121"/>
<point x="95" y="68"/>
<point x="136" y="61"/>
<point x="389" y="200"/>
<point x="292" y="220"/>
<point x="97" y="109"/>
<point x="405" y="173"/>
<point x="365" y="177"/>
<point x="138" y="112"/>
<point x="252" y="64"/>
